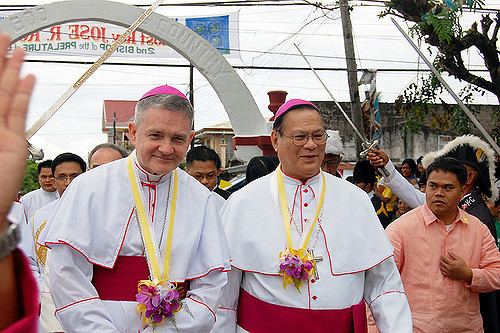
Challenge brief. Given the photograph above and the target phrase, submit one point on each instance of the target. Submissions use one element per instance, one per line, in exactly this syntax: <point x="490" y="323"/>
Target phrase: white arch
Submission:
<point x="239" y="104"/>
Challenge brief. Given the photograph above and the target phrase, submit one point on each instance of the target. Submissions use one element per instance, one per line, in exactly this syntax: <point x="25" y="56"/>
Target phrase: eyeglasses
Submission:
<point x="63" y="178"/>
<point x="301" y="139"/>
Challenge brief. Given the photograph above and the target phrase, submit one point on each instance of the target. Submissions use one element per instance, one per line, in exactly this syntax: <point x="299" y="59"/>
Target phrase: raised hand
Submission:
<point x="378" y="158"/>
<point x="15" y="94"/>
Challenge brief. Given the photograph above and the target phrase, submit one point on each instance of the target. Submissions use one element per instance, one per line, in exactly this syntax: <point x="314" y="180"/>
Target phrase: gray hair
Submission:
<point x="169" y="102"/>
<point x="123" y="152"/>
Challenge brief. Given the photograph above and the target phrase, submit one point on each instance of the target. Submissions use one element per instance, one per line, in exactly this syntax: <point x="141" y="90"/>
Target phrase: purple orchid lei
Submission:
<point x="157" y="301"/>
<point x="296" y="266"/>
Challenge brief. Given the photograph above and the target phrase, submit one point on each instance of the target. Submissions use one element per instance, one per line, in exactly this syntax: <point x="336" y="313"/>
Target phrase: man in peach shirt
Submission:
<point x="446" y="256"/>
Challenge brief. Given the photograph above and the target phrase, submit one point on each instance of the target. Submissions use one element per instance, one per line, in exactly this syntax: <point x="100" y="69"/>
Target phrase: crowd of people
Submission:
<point x="134" y="243"/>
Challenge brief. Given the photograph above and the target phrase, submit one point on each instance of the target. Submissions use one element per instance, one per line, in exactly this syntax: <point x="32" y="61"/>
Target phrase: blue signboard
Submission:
<point x="214" y="29"/>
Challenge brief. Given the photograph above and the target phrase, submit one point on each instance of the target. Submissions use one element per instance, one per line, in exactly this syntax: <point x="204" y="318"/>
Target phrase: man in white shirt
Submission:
<point x="65" y="168"/>
<point x="47" y="193"/>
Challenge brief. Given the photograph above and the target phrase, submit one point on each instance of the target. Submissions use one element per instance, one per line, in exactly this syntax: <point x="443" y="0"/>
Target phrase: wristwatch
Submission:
<point x="9" y="240"/>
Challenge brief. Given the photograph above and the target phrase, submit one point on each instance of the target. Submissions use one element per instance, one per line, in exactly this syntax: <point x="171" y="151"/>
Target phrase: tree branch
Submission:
<point x="486" y="23"/>
<point x="494" y="37"/>
<point x="450" y="53"/>
<point x="458" y="70"/>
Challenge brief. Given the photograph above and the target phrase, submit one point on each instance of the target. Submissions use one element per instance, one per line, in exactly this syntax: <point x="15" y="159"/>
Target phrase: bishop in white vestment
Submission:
<point x="349" y="261"/>
<point x="101" y="254"/>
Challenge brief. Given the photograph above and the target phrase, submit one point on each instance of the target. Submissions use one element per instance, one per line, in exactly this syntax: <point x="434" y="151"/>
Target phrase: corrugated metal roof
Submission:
<point x="124" y="112"/>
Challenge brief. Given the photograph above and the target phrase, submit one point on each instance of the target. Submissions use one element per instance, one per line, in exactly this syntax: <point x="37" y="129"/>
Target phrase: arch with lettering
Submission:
<point x="238" y="102"/>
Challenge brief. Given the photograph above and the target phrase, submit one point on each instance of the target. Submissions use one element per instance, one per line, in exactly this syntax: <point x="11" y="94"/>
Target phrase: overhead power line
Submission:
<point x="250" y="3"/>
<point x="285" y="68"/>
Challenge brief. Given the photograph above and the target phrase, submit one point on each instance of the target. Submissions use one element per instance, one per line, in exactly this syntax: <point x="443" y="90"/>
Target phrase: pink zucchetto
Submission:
<point x="164" y="90"/>
<point x="291" y="104"/>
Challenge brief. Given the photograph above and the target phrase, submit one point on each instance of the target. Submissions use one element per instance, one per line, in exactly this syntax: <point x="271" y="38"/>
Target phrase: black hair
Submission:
<point x="260" y="166"/>
<point x="278" y="123"/>
<point x="203" y="153"/>
<point x="68" y="157"/>
<point x="422" y="180"/>
<point x="412" y="164"/>
<point x="449" y="164"/>
<point x="44" y="164"/>
<point x="418" y="173"/>
<point x="364" y="172"/>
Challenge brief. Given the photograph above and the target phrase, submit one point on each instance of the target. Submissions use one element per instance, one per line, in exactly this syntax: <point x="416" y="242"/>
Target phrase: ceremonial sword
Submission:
<point x="366" y="144"/>
<point x="71" y="90"/>
<point x="448" y="88"/>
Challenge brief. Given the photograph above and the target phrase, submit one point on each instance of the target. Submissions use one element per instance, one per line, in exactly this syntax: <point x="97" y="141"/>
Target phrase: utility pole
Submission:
<point x="352" y="71"/>
<point x="114" y="127"/>
<point x="191" y="92"/>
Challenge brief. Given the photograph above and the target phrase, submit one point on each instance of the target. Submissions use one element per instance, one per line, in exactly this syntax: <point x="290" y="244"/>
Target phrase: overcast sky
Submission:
<point x="266" y="37"/>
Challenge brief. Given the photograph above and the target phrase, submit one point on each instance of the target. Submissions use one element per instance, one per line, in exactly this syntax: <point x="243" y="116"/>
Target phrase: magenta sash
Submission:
<point x="120" y="282"/>
<point x="257" y="316"/>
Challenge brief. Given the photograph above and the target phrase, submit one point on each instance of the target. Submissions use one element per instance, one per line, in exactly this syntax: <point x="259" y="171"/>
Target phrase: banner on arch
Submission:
<point x="91" y="39"/>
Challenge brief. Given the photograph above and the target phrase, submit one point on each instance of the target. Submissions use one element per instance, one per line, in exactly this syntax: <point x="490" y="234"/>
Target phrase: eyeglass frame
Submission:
<point x="307" y="137"/>
<point x="64" y="178"/>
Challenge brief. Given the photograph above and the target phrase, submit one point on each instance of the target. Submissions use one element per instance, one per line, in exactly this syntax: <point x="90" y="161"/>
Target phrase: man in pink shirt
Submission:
<point x="445" y="256"/>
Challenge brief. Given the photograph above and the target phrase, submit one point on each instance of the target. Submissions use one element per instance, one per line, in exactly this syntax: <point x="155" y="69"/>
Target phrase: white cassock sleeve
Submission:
<point x="78" y="307"/>
<point x="385" y="296"/>
<point x="18" y="216"/>
<point x="402" y="188"/>
<point x="227" y="311"/>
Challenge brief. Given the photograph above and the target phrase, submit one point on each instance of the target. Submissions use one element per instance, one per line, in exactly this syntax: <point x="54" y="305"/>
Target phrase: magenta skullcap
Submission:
<point x="291" y="104"/>
<point x="164" y="90"/>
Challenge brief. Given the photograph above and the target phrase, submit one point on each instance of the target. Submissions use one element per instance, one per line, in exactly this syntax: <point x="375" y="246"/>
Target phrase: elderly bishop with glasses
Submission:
<point x="307" y="249"/>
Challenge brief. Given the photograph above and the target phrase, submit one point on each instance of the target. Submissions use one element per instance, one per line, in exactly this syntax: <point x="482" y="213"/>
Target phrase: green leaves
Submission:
<point x="30" y="181"/>
<point x="440" y="24"/>
<point x="421" y="106"/>
<point x="443" y="26"/>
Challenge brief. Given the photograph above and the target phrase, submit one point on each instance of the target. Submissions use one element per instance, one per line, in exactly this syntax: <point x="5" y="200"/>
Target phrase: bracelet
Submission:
<point x="9" y="240"/>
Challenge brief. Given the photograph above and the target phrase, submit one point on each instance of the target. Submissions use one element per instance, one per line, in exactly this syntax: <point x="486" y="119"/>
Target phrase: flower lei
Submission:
<point x="157" y="298"/>
<point x="157" y="301"/>
<point x="296" y="266"/>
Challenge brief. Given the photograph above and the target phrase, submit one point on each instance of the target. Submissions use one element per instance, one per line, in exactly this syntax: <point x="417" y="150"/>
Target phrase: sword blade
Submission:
<point x="358" y="133"/>
<point x="88" y="73"/>
<point x="367" y="145"/>
<point x="448" y="88"/>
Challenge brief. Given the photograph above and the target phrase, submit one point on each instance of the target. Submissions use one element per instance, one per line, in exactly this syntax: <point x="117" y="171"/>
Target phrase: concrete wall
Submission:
<point x="393" y="143"/>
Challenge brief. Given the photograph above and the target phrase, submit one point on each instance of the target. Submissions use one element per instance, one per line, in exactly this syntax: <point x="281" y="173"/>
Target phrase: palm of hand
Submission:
<point x="15" y="94"/>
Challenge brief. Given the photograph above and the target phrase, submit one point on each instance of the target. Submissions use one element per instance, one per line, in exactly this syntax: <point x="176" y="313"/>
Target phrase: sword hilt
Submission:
<point x="35" y="153"/>
<point x="368" y="146"/>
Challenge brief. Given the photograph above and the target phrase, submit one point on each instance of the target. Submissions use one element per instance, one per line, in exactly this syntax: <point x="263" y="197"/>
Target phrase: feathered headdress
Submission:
<point x="334" y="143"/>
<point x="473" y="151"/>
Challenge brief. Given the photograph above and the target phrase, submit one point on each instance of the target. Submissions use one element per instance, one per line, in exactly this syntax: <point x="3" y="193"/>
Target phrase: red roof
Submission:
<point x="124" y="112"/>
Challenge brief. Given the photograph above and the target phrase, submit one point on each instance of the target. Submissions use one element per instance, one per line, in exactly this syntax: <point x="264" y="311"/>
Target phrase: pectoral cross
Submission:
<point x="316" y="260"/>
